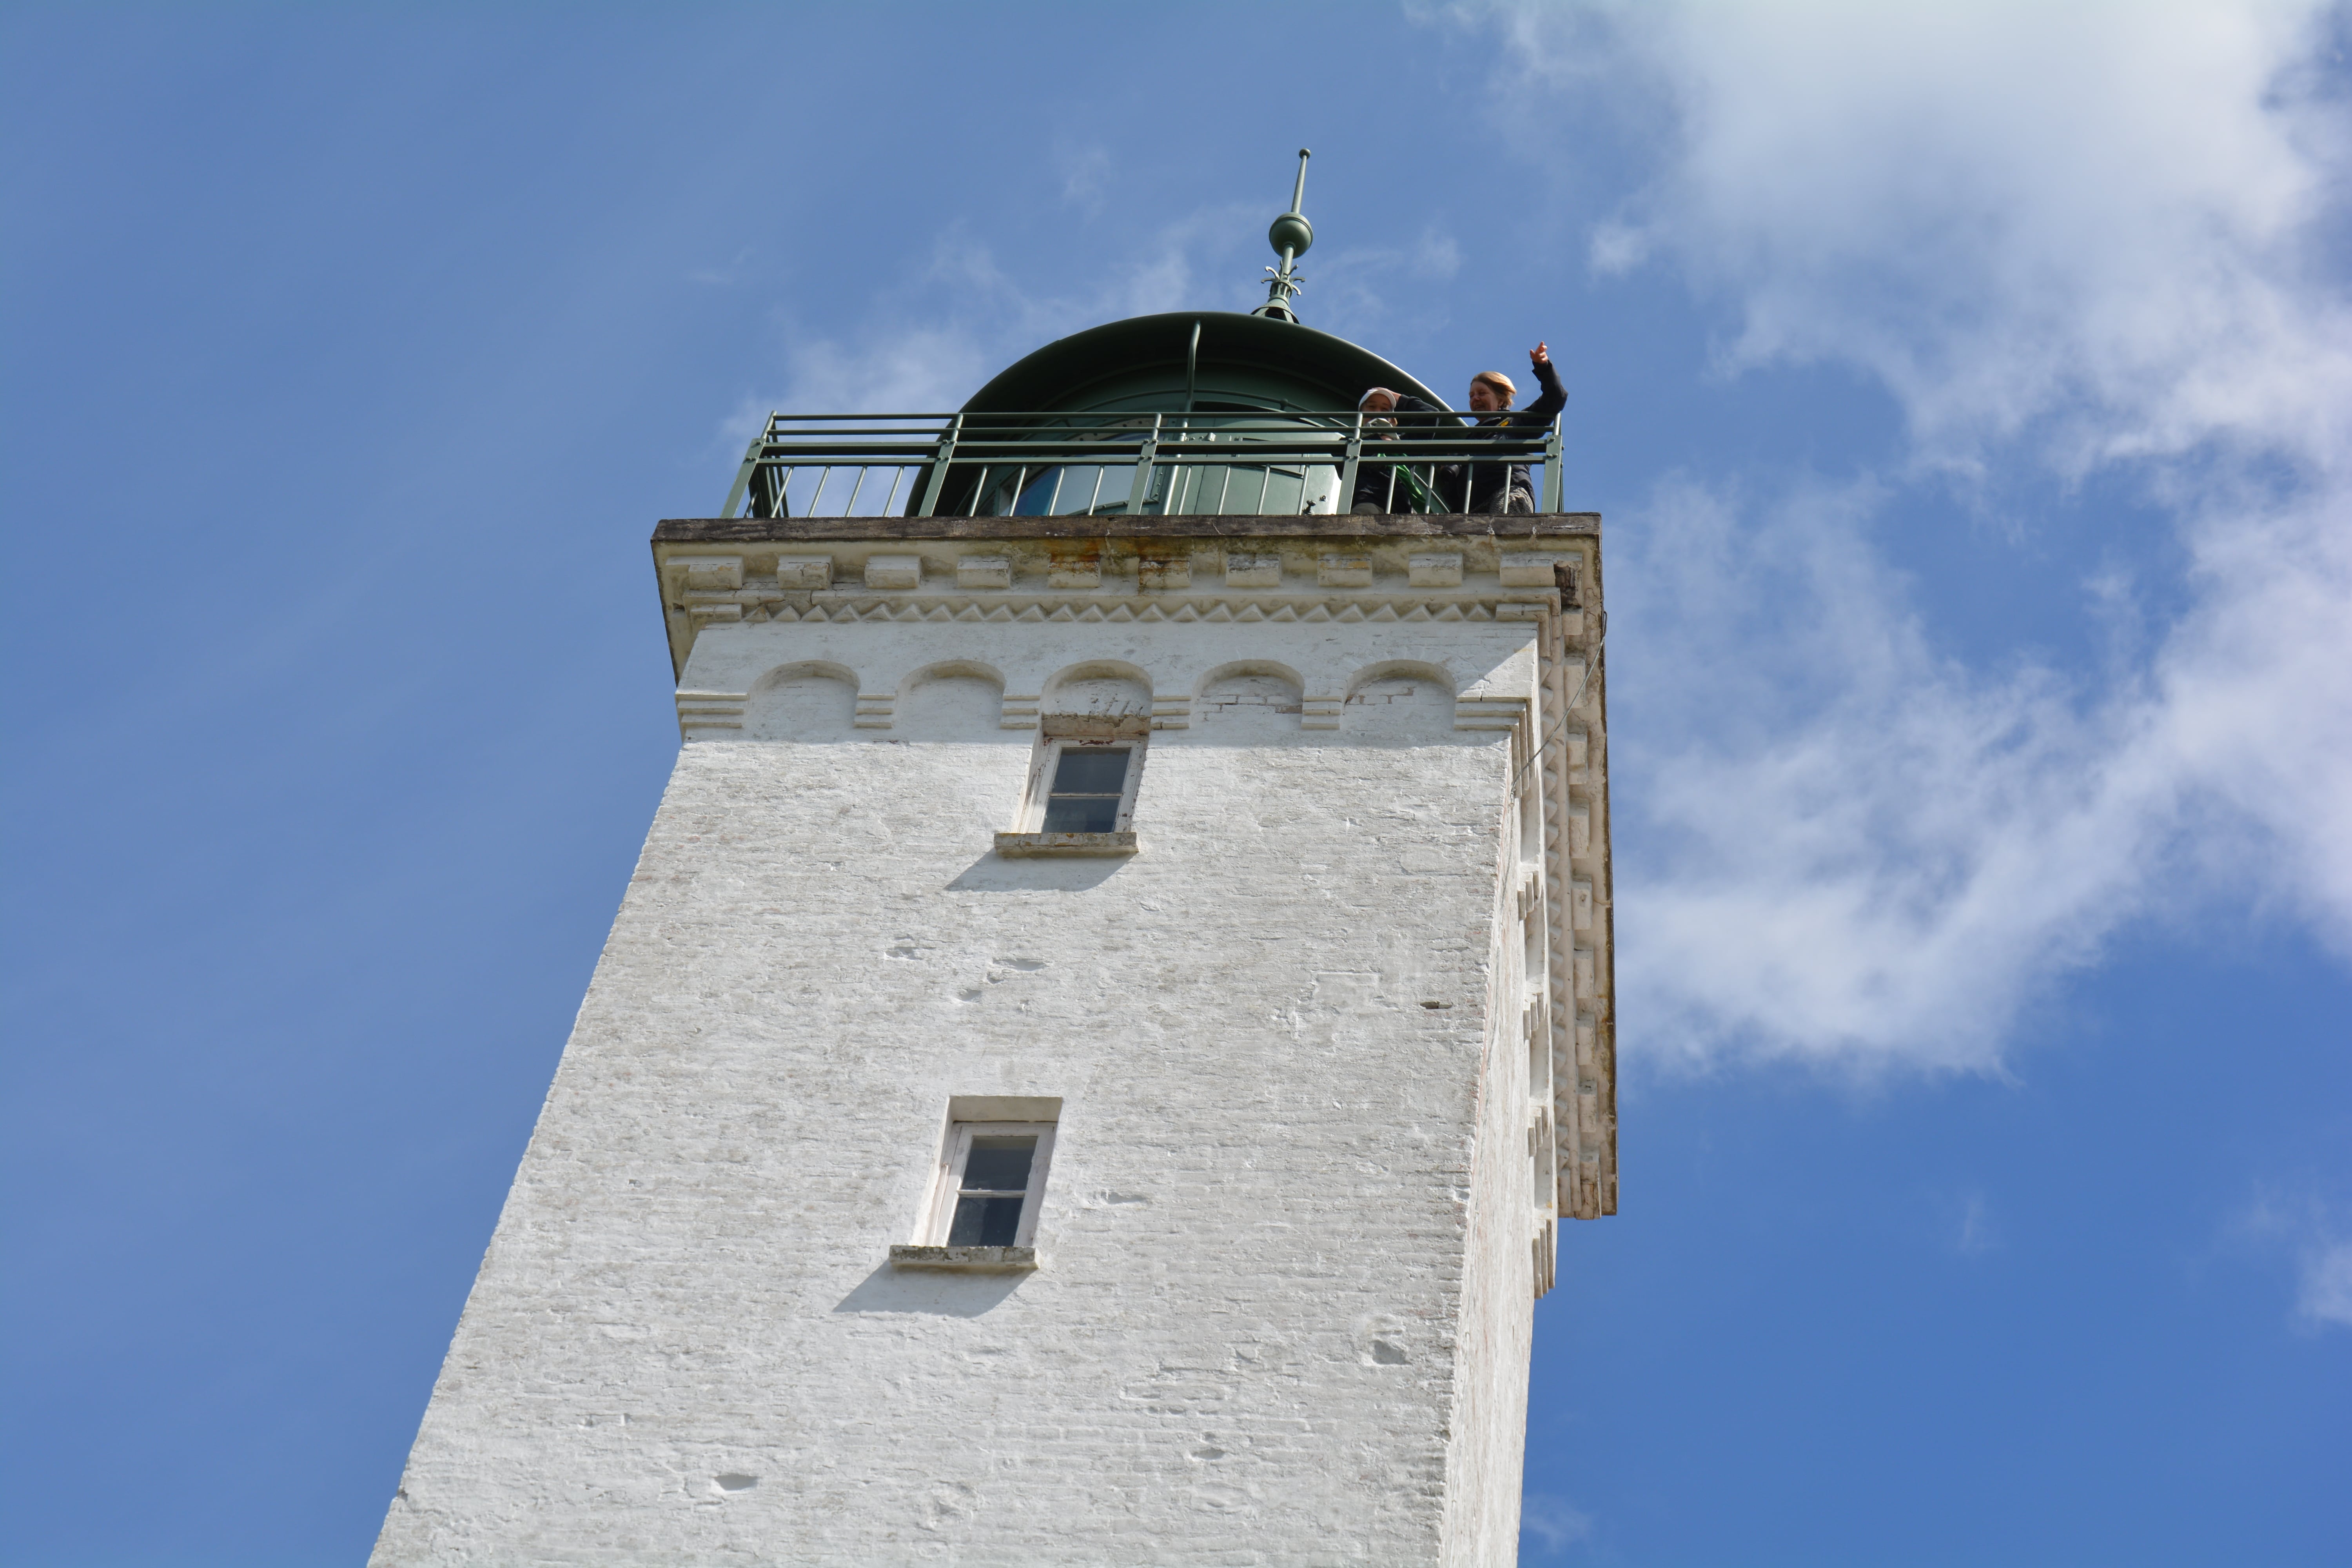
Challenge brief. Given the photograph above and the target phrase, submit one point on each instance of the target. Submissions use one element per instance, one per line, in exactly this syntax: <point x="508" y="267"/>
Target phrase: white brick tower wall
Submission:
<point x="1324" y="1057"/>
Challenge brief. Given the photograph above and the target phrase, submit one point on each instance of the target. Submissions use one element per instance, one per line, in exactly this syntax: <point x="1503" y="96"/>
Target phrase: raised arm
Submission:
<point x="1551" y="398"/>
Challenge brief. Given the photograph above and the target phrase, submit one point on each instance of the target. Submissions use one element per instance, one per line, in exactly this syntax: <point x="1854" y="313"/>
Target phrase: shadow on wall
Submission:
<point x="993" y="874"/>
<point x="889" y="1290"/>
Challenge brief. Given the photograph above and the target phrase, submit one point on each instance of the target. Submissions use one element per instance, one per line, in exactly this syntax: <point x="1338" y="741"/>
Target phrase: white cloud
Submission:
<point x="2324" y="1296"/>
<point x="1619" y="247"/>
<point x="904" y="368"/>
<point x="2311" y="1228"/>
<point x="2105" y="212"/>
<point x="721" y="277"/>
<point x="1436" y="256"/>
<point x="1350" y="286"/>
<point x="1975" y="1233"/>
<point x="934" y="339"/>
<point x="1086" y="174"/>
<point x="932" y="342"/>
<point x="2065" y="240"/>
<point x="1553" y="1522"/>
<point x="1844" y="845"/>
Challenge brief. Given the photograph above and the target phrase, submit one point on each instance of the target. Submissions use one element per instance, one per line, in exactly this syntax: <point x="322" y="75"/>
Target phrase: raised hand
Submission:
<point x="1539" y="354"/>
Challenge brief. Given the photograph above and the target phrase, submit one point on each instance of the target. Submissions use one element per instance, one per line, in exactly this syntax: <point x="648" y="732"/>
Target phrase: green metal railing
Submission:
<point x="1127" y="463"/>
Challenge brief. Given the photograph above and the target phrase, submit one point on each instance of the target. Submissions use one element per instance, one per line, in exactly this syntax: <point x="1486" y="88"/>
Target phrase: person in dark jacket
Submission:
<point x="1389" y="487"/>
<point x="1498" y="487"/>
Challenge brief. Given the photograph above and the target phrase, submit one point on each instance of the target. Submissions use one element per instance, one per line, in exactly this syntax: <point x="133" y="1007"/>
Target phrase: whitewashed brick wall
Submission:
<point x="1284" y="1306"/>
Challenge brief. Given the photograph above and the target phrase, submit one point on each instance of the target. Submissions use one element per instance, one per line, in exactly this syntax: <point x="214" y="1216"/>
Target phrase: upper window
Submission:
<point x="1086" y="785"/>
<point x="1089" y="794"/>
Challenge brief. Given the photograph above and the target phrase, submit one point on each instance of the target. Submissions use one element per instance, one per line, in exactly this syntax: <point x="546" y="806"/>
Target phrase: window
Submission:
<point x="1086" y="775"/>
<point x="993" y="1190"/>
<point x="992" y="1176"/>
<point x="1089" y="794"/>
<point x="1080" y="798"/>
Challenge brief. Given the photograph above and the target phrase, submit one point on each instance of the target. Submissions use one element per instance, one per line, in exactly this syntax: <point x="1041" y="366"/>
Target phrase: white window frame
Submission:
<point x="948" y="1185"/>
<point x="1049" y="762"/>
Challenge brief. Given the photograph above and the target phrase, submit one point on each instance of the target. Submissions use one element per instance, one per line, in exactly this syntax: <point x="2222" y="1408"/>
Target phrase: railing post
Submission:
<point x="1347" y="497"/>
<point x="1552" y="476"/>
<point x="743" y="474"/>
<point x="940" y="466"/>
<point x="1143" y="455"/>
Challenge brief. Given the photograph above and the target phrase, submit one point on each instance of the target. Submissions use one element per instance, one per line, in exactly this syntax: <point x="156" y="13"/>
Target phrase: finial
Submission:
<point x="1290" y="237"/>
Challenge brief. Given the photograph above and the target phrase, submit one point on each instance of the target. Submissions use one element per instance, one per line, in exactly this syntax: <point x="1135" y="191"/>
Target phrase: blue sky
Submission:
<point x="1968" y="392"/>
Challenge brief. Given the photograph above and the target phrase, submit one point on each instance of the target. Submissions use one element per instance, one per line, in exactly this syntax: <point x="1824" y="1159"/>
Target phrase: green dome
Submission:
<point x="1245" y="362"/>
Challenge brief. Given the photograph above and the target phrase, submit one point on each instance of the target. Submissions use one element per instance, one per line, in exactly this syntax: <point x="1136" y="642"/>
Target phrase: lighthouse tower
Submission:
<point x="1111" y="1008"/>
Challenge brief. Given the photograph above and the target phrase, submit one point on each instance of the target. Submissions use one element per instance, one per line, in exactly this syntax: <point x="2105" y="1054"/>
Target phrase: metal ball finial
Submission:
<point x="1291" y="232"/>
<point x="1290" y="235"/>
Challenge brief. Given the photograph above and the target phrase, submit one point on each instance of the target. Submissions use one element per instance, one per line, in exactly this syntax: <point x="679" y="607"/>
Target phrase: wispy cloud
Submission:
<point x="721" y="277"/>
<point x="1554" y="1525"/>
<point x="2325" y="1290"/>
<point x="1975" y="1234"/>
<point x="2097" y="228"/>
<point x="1085" y="174"/>
<point x="2104" y="239"/>
<point x="939" y="332"/>
<point x="1851" y="848"/>
<point x="1355" y="288"/>
<point x="2314" y="1234"/>
<point x="904" y="367"/>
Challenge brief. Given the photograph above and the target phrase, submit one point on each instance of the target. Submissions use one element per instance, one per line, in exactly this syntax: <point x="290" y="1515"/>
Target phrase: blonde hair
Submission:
<point x="1499" y="382"/>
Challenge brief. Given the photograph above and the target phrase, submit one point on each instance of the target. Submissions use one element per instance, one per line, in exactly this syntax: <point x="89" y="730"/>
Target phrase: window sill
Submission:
<point x="966" y="1260"/>
<point x="1017" y="844"/>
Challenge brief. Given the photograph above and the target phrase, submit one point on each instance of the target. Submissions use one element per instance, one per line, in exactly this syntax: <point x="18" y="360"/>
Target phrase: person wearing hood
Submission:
<point x="1390" y="487"/>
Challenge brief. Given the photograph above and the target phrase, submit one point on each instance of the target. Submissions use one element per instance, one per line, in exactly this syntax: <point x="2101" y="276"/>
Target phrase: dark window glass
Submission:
<point x="985" y="1222"/>
<point x="999" y="1164"/>
<point x="989" y="1199"/>
<point x="1091" y="770"/>
<point x="1083" y="814"/>
<point x="1089" y="783"/>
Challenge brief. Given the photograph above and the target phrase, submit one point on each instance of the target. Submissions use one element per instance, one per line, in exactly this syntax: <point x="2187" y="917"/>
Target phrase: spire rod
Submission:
<point x="1290" y="237"/>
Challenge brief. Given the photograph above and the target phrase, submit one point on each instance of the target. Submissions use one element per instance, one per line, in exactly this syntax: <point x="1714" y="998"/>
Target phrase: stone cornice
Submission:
<point x="1400" y="525"/>
<point x="722" y="573"/>
<point x="755" y="604"/>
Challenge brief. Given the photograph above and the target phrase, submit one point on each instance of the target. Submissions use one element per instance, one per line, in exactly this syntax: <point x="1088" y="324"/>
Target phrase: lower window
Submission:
<point x="990" y="1180"/>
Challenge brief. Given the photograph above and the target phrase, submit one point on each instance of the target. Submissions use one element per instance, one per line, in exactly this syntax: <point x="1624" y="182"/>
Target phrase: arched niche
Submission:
<point x="812" y="701"/>
<point x="1402" y="700"/>
<point x="957" y="699"/>
<point x="1101" y="689"/>
<point x="1247" y="700"/>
